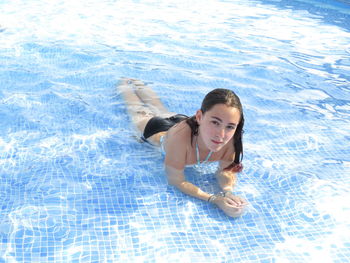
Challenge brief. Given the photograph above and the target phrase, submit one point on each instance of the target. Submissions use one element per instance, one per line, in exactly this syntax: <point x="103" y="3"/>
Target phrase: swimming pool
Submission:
<point x="77" y="186"/>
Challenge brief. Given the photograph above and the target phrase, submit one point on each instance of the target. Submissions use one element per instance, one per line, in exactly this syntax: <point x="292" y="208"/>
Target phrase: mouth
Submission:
<point x="216" y="142"/>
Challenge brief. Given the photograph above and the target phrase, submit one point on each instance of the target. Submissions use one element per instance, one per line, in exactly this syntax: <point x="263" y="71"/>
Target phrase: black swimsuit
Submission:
<point x="159" y="124"/>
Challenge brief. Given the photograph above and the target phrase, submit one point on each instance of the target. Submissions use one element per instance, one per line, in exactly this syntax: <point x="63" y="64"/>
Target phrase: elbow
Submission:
<point x="173" y="182"/>
<point x="176" y="183"/>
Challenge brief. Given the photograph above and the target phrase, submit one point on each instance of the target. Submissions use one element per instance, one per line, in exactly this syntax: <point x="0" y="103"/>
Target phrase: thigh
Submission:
<point x="138" y="111"/>
<point x="151" y="99"/>
<point x="141" y="123"/>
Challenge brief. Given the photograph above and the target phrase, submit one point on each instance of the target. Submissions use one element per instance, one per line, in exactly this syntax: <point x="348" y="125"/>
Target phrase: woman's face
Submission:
<point x="217" y="125"/>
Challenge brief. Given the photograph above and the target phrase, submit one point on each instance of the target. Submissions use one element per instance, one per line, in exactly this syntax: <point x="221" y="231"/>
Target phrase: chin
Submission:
<point x="216" y="148"/>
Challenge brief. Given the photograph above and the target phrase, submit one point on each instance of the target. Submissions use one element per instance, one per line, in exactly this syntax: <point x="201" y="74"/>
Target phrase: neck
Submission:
<point x="199" y="161"/>
<point x="201" y="145"/>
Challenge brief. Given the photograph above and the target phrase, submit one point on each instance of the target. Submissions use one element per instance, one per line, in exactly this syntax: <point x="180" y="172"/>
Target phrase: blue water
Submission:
<point x="76" y="185"/>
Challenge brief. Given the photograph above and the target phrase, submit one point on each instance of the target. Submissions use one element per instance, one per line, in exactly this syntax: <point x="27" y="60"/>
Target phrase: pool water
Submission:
<point x="76" y="184"/>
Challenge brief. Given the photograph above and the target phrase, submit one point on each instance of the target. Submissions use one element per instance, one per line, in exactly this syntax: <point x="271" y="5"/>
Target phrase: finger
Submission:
<point x="232" y="201"/>
<point x="244" y="202"/>
<point x="236" y="206"/>
<point x="236" y="200"/>
<point x="241" y="201"/>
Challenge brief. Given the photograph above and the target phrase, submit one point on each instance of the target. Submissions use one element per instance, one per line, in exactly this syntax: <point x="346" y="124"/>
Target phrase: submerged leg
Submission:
<point x="150" y="98"/>
<point x="138" y="111"/>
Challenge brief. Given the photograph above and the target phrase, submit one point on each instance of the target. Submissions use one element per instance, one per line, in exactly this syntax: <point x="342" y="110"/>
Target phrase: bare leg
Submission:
<point x="142" y="104"/>
<point x="151" y="99"/>
<point x="139" y="113"/>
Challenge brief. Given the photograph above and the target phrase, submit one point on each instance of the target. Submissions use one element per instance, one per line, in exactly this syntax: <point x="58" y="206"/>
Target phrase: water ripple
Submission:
<point x="77" y="185"/>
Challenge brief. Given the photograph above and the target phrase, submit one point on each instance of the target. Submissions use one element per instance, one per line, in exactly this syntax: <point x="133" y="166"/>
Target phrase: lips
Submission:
<point x="216" y="142"/>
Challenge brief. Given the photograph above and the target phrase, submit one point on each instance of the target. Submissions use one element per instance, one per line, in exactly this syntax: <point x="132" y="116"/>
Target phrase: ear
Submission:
<point x="199" y="116"/>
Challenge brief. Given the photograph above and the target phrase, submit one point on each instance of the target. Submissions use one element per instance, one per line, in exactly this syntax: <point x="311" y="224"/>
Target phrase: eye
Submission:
<point x="231" y="127"/>
<point x="215" y="122"/>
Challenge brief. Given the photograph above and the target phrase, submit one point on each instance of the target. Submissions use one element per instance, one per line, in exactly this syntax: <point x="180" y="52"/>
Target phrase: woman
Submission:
<point x="214" y="133"/>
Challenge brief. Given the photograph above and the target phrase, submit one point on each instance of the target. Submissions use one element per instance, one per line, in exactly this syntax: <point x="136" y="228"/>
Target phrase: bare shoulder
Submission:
<point x="178" y="140"/>
<point x="181" y="132"/>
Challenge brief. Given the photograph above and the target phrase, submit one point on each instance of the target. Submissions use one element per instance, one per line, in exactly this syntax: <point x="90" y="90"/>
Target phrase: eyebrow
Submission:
<point x="220" y="120"/>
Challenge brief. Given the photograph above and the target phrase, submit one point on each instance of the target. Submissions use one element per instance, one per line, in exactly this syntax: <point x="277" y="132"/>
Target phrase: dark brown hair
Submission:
<point x="228" y="98"/>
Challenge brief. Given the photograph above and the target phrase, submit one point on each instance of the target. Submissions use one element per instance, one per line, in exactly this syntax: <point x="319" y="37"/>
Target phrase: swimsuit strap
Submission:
<point x="197" y="153"/>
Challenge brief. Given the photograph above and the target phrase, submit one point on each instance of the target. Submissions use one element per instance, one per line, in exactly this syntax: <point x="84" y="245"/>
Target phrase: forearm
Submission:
<point x="176" y="178"/>
<point x="192" y="190"/>
<point x="226" y="180"/>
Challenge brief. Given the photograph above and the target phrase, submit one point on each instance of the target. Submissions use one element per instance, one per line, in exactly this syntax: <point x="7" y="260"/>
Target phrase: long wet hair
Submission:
<point x="230" y="99"/>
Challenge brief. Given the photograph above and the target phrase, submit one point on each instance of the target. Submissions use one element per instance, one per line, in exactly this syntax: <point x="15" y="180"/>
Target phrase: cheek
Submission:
<point x="208" y="132"/>
<point x="230" y="134"/>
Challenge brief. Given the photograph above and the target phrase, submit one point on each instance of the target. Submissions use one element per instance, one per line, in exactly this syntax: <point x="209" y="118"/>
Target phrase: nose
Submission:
<point x="220" y="133"/>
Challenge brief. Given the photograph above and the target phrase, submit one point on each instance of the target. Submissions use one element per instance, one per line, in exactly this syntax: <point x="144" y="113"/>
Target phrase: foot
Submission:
<point x="130" y="81"/>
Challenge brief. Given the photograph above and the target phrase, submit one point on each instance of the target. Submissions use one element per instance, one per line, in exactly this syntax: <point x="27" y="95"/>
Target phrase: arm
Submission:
<point x="177" y="178"/>
<point x="175" y="161"/>
<point x="230" y="205"/>
<point x="226" y="178"/>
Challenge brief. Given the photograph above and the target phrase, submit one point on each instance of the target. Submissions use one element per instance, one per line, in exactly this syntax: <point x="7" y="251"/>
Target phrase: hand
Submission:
<point x="237" y="201"/>
<point x="234" y="167"/>
<point x="232" y="208"/>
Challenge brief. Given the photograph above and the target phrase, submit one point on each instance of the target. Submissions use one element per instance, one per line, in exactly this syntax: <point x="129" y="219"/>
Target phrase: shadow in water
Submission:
<point x="334" y="12"/>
